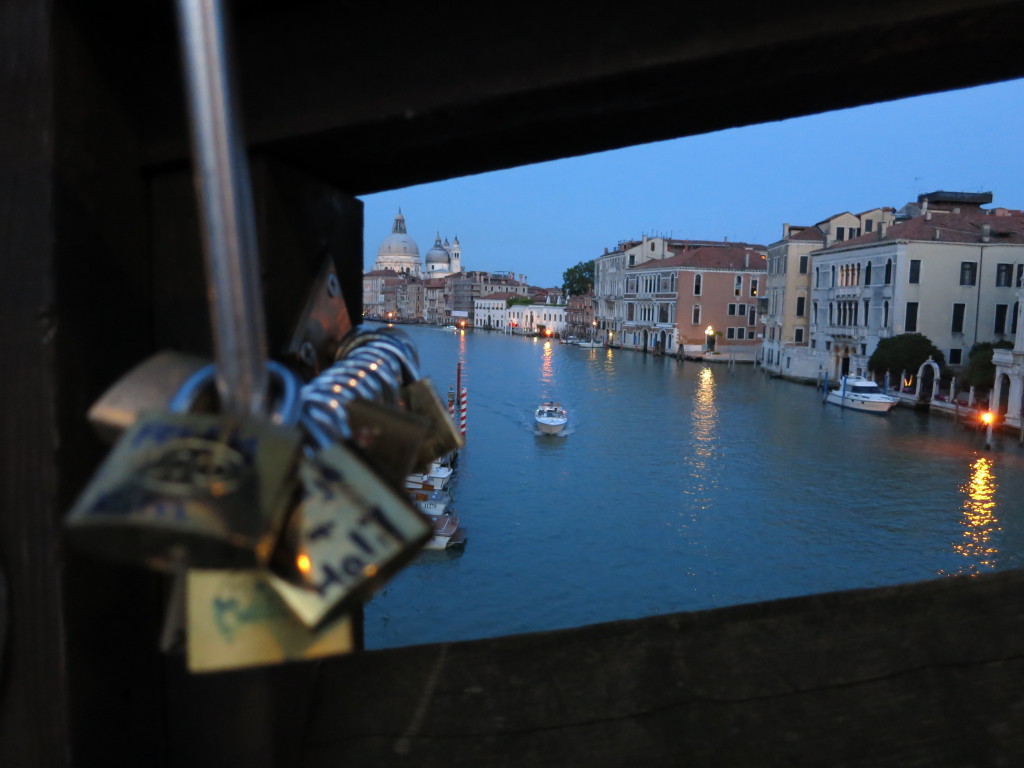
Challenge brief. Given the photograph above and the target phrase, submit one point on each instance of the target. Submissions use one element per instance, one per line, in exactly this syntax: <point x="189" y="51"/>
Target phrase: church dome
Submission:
<point x="398" y="243"/>
<point x="438" y="254"/>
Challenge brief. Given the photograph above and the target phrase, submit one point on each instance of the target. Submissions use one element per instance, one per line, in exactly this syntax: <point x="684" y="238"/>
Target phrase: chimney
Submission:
<point x="986" y="232"/>
<point x="882" y="229"/>
<point x="937" y="236"/>
<point x="924" y="206"/>
<point x="928" y="216"/>
<point x="746" y="260"/>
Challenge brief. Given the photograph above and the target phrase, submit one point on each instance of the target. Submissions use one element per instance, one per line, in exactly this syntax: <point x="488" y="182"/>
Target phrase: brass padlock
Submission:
<point x="349" y="533"/>
<point x="189" y="490"/>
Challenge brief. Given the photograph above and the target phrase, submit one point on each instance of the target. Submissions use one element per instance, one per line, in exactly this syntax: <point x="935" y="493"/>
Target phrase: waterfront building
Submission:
<point x="380" y="292"/>
<point x="434" y="302"/>
<point x="785" y="302"/>
<point x="491" y="312"/>
<point x="530" y="319"/>
<point x="611" y="303"/>
<point x="950" y="272"/>
<point x="464" y="288"/>
<point x="579" y="316"/>
<point x="717" y="300"/>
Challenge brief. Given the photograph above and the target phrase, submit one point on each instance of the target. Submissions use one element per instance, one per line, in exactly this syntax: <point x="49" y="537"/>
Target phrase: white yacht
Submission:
<point x="860" y="394"/>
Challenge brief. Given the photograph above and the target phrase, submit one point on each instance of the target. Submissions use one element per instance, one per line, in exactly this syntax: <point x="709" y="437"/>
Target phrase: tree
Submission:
<point x="980" y="373"/>
<point x="905" y="352"/>
<point x="578" y="280"/>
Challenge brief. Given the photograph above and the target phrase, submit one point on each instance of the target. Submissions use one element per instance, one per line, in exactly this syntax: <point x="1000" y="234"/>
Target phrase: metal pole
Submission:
<point x="226" y="210"/>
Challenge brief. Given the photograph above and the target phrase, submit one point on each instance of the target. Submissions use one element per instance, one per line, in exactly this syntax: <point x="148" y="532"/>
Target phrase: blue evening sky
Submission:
<point x="741" y="184"/>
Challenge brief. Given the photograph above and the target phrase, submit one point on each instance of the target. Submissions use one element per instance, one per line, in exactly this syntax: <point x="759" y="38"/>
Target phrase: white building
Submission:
<point x="950" y="273"/>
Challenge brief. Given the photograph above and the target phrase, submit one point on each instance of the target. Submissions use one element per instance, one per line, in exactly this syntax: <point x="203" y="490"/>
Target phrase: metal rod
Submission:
<point x="226" y="210"/>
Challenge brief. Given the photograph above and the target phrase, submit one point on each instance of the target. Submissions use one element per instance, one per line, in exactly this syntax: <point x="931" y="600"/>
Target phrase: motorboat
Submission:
<point x="861" y="394"/>
<point x="438" y="506"/>
<point x="435" y="478"/>
<point x="592" y="344"/>
<point x="448" y="532"/>
<point x="551" y="418"/>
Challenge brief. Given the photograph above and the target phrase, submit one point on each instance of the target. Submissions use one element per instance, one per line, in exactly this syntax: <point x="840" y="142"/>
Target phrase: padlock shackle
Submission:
<point x="226" y="210"/>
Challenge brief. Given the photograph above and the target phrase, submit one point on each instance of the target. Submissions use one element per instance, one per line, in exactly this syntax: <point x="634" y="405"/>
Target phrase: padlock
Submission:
<point x="236" y="619"/>
<point x="349" y="533"/>
<point x="149" y="386"/>
<point x="189" y="490"/>
<point x="194" y="489"/>
<point x="417" y="394"/>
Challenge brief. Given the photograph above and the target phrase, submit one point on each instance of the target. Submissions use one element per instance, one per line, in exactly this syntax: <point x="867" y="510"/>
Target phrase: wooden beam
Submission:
<point x="373" y="99"/>
<point x="923" y="674"/>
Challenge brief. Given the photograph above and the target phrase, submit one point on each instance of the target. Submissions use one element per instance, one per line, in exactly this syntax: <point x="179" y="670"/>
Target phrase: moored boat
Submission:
<point x="860" y="394"/>
<point x="551" y="418"/>
<point x="438" y="506"/>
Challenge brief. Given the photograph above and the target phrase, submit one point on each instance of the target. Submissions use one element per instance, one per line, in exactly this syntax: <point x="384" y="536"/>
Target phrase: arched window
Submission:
<point x="1013" y="322"/>
<point x="831" y="312"/>
<point x="833" y="276"/>
<point x="888" y="271"/>
<point x="698" y="281"/>
<point x="696" y="314"/>
<point x="885" y="315"/>
<point x="867" y="273"/>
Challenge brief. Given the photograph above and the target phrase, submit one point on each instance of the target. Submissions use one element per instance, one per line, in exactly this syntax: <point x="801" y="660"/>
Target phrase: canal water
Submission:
<point x="682" y="486"/>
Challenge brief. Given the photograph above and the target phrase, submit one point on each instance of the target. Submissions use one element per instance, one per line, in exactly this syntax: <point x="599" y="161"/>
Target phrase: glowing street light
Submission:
<point x="987" y="418"/>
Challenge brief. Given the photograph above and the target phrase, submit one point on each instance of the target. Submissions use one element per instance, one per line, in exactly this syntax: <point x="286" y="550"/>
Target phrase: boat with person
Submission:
<point x="860" y="394"/>
<point x="551" y="418"/>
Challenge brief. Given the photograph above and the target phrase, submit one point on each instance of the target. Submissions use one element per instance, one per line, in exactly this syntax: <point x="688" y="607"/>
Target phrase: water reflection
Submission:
<point x="547" y="372"/>
<point x="979" y="520"/>
<point x="704" y="416"/>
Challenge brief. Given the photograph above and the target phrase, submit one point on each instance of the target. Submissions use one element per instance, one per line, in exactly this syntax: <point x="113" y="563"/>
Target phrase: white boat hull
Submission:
<point x="551" y="426"/>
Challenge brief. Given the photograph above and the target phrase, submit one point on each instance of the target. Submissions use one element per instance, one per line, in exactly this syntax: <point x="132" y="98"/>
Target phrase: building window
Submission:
<point x="867" y="225"/>
<point x="814" y="343"/>
<point x="910" y="326"/>
<point x="737" y="288"/>
<point x="1013" y="318"/>
<point x="698" y="281"/>
<point x="833" y="276"/>
<point x="867" y="274"/>
<point x="630" y="311"/>
<point x="752" y="316"/>
<point x="817" y="277"/>
<point x="885" y="314"/>
<point x="955" y="356"/>
<point x="915" y="271"/>
<point x="840" y="233"/>
<point x="888" y="271"/>
<point x="803" y="264"/>
<point x="798" y="335"/>
<point x="1004" y="274"/>
<point x="732" y="309"/>
<point x="800" y="301"/>
<point x="828" y="345"/>
<point x="958" y="318"/>
<point x="1020" y="275"/>
<point x="753" y="286"/>
<point x="1000" y="325"/>
<point x="696" y="314"/>
<point x="730" y="333"/>
<point x="968" y="272"/>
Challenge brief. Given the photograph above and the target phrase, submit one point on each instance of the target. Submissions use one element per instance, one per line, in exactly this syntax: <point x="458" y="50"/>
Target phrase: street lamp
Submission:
<point x="987" y="418"/>
<point x="710" y="333"/>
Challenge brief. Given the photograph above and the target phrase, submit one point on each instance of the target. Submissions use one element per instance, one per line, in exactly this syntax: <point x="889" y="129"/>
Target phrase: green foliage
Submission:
<point x="905" y="352"/>
<point x="980" y="373"/>
<point x="517" y="300"/>
<point x="578" y="280"/>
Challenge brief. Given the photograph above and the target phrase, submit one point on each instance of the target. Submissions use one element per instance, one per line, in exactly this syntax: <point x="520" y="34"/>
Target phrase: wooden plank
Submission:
<point x="330" y="86"/>
<point x="925" y="674"/>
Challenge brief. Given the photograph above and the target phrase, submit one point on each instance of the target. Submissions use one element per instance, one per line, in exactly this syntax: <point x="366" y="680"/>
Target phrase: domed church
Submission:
<point x="399" y="252"/>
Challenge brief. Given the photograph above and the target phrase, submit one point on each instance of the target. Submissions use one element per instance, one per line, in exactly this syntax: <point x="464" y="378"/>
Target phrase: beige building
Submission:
<point x="786" y="300"/>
